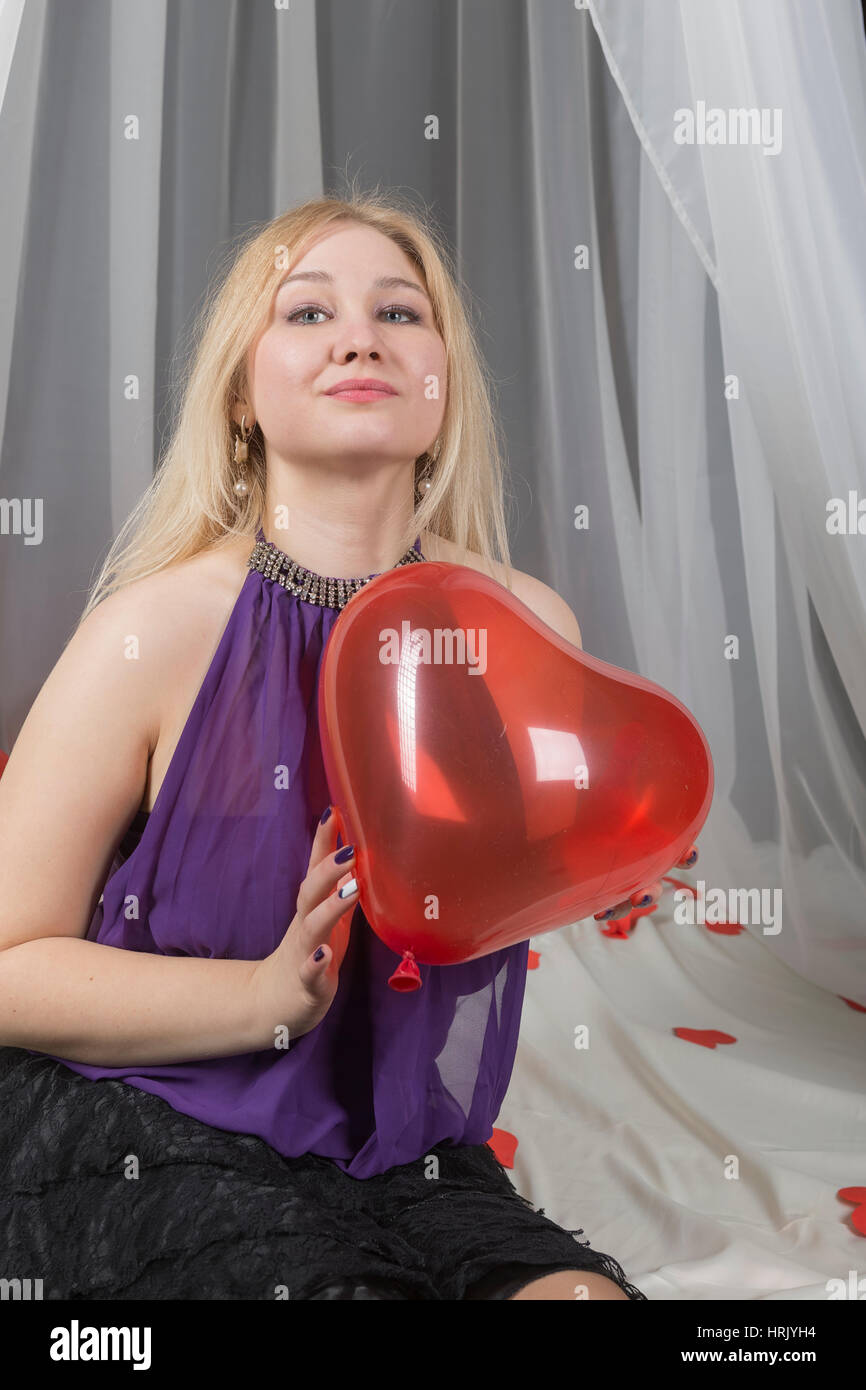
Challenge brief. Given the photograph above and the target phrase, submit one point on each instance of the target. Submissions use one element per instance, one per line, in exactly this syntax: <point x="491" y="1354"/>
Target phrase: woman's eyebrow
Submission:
<point x="384" y="282"/>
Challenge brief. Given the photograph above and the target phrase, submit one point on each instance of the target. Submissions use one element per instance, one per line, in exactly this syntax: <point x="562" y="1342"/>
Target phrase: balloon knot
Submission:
<point x="407" y="976"/>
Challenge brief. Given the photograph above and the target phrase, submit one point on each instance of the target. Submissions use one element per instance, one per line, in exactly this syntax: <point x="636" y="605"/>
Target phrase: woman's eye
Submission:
<point x="411" y="314"/>
<point x="400" y="309"/>
<point x="307" y="309"/>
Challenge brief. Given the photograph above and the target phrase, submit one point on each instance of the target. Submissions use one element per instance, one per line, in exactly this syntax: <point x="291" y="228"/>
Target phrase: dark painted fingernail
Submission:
<point x="692" y="857"/>
<point x="602" y="915"/>
<point x="325" y="814"/>
<point x="344" y="854"/>
<point x="319" y="954"/>
<point x="647" y="898"/>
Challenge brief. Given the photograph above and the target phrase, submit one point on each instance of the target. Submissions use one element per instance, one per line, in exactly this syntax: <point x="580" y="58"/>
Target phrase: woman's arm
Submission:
<point x="110" y="1007"/>
<point x="74" y="780"/>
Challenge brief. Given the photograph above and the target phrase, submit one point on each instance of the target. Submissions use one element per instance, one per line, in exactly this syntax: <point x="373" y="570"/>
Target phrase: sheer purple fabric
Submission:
<point x="384" y="1076"/>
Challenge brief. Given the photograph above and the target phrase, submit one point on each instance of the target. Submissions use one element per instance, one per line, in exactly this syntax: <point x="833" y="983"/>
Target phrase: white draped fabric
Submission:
<point x="773" y="208"/>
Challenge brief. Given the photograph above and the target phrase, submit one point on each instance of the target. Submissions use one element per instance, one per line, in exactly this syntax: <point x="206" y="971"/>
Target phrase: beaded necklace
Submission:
<point x="305" y="584"/>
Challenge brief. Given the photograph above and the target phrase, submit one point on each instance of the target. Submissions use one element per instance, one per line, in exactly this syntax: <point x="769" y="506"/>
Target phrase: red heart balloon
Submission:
<point x="496" y="781"/>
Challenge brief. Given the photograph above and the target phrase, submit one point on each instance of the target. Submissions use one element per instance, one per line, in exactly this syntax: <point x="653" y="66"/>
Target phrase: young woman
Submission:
<point x="171" y="763"/>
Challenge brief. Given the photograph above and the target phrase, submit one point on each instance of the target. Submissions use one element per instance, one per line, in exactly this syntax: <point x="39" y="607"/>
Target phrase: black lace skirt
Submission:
<point x="107" y="1192"/>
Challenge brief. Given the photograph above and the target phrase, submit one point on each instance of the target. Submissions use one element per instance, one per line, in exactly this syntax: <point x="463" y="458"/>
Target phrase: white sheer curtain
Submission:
<point x="772" y="241"/>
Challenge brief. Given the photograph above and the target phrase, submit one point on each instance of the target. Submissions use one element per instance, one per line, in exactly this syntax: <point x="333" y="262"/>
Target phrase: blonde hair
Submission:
<point x="191" y="504"/>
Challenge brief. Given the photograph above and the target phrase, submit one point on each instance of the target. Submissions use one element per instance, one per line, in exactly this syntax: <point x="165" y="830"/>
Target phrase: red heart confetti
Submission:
<point x="706" y="1037"/>
<point x="504" y="1145"/>
<point x="858" y="1215"/>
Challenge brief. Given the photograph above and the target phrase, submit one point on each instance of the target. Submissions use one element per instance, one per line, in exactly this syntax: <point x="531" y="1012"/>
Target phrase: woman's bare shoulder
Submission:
<point x="544" y="601"/>
<point x="170" y="621"/>
<point x="188" y="592"/>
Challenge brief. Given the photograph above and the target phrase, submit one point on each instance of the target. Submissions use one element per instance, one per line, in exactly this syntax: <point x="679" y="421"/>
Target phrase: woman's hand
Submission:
<point x="645" y="896"/>
<point x="293" y="989"/>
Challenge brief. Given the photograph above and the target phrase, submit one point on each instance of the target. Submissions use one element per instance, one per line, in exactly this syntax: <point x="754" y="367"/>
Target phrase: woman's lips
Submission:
<point x="355" y="395"/>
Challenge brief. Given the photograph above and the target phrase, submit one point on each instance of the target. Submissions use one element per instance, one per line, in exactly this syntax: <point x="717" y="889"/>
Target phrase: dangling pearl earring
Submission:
<point x="432" y="456"/>
<point x="241" y="456"/>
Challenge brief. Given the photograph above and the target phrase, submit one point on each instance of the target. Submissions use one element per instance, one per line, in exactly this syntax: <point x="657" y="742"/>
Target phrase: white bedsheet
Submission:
<point x="632" y="1138"/>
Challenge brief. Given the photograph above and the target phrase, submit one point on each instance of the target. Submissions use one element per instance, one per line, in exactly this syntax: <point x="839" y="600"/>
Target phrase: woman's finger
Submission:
<point x="325" y="838"/>
<point x="323" y="878"/>
<point x="618" y="910"/>
<point x="644" y="897"/>
<point x="326" y="923"/>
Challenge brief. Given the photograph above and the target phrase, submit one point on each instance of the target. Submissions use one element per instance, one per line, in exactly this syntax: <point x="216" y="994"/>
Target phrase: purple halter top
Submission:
<point x="383" y="1076"/>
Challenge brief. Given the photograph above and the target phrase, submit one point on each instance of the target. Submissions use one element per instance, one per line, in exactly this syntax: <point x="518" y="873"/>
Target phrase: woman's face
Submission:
<point x="326" y="330"/>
